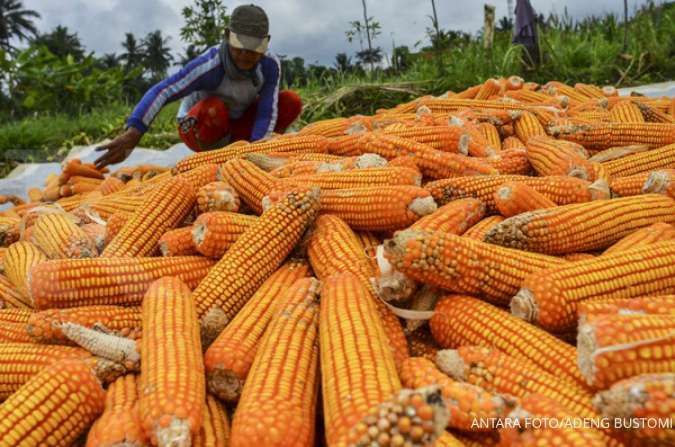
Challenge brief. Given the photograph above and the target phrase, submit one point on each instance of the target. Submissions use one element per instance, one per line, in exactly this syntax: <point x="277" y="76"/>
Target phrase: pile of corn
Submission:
<point x="489" y="267"/>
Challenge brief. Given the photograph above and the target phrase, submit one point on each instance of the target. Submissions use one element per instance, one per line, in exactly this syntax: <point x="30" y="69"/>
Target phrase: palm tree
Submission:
<point x="15" y="21"/>
<point x="157" y="54"/>
<point x="191" y="52"/>
<point x="61" y="43"/>
<point x="110" y="60"/>
<point x="343" y="62"/>
<point x="134" y="52"/>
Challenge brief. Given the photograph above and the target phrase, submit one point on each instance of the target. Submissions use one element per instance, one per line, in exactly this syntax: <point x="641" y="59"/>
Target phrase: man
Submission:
<point x="231" y="92"/>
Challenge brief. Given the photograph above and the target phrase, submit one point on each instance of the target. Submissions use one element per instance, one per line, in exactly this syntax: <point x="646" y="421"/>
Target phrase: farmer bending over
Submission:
<point x="231" y="92"/>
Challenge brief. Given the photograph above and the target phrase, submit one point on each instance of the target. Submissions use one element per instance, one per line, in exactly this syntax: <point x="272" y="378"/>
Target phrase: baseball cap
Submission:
<point x="249" y="28"/>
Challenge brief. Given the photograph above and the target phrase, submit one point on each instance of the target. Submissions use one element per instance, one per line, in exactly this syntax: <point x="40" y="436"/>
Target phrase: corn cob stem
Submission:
<point x="120" y="350"/>
<point x="217" y="196"/>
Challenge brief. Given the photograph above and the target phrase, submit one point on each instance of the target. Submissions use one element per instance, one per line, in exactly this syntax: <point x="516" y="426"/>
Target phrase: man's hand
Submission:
<point x="119" y="148"/>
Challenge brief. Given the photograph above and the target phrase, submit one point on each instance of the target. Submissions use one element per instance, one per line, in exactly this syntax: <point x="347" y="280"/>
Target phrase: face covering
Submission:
<point x="231" y="69"/>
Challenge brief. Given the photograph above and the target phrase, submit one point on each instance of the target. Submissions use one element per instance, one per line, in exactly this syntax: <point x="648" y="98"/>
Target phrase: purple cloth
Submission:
<point x="525" y="28"/>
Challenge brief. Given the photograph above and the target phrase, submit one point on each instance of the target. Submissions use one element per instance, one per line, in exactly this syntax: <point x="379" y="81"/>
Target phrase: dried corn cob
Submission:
<point x="290" y="394"/>
<point x="455" y="217"/>
<point x="477" y="232"/>
<point x="359" y="178"/>
<point x="550" y="297"/>
<point x="58" y="236"/>
<point x="177" y="242"/>
<point x="658" y="232"/>
<point x="661" y="158"/>
<point x="489" y="88"/>
<point x="369" y="242"/>
<point x="422" y="344"/>
<point x="661" y="182"/>
<point x="118" y="281"/>
<point x="215" y="429"/>
<point x="53" y="408"/>
<point x="605" y="135"/>
<point x="447" y="138"/>
<point x="582" y="226"/>
<point x="553" y="157"/>
<point x="491" y="134"/>
<point x="626" y="112"/>
<point x="10" y="297"/>
<point x="164" y="208"/>
<point x="462" y="320"/>
<point x="653" y="115"/>
<point x="14" y="332"/>
<point x="513" y="198"/>
<point x="217" y="196"/>
<point x="249" y="181"/>
<point x="214" y="233"/>
<point x="350" y="328"/>
<point x="650" y="305"/>
<point x="200" y="177"/>
<point x="513" y="143"/>
<point x="96" y="233"/>
<point x="346" y="145"/>
<point x="172" y="389"/>
<point x="229" y="358"/>
<point x="9" y="230"/>
<point x="14" y="315"/>
<point x="559" y="88"/>
<point x="110" y="185"/>
<point x="511" y="162"/>
<point x="630" y="185"/>
<point x="119" y="202"/>
<point x="614" y="153"/>
<point x="589" y="90"/>
<point x="119" y="425"/>
<point x="466" y="403"/>
<point x="253" y="257"/>
<point x="19" y="260"/>
<point x="327" y="128"/>
<point x="615" y="347"/>
<point x="424" y="300"/>
<point x="114" y="224"/>
<point x="44" y="326"/>
<point x="528" y="126"/>
<point x="463" y="265"/>
<point x="578" y="256"/>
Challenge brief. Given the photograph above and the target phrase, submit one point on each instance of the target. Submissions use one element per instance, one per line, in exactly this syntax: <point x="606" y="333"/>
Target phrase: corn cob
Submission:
<point x="10" y="297"/>
<point x="44" y="326"/>
<point x="291" y="338"/>
<point x="14" y="315"/>
<point x="606" y="135"/>
<point x="661" y="182"/>
<point x="654" y="115"/>
<point x="462" y="320"/>
<point x="447" y="138"/>
<point x="349" y="327"/>
<point x="560" y="189"/>
<point x="661" y="158"/>
<point x="289" y="143"/>
<point x="229" y="358"/>
<point x="114" y="224"/>
<point x="20" y="258"/>
<point x="422" y="344"/>
<point x="582" y="226"/>
<point x="58" y="236"/>
<point x="578" y="256"/>
<point x="424" y="300"/>
<point x="589" y="90"/>
<point x="550" y="297"/>
<point x="327" y="128"/>
<point x="615" y="347"/>
<point x="369" y="242"/>
<point x="96" y="233"/>
<point x="650" y="305"/>
<point x="253" y="257"/>
<point x="455" y="217"/>
<point x="511" y="162"/>
<point x="116" y="281"/>
<point x="463" y="265"/>
<point x="477" y="232"/>
<point x="513" y="143"/>
<point x="614" y="153"/>
<point x="177" y="242"/>
<point x="14" y="332"/>
<point x="53" y="408"/>
<point x="466" y="403"/>
<point x="413" y="418"/>
<point x="217" y="196"/>
<point x="119" y="202"/>
<point x="164" y="208"/>
<point x="552" y="157"/>
<point x="346" y="145"/>
<point x="215" y="429"/>
<point x="561" y="429"/>
<point x="361" y="178"/>
<point x="528" y="126"/>
<point x="9" y="230"/>
<point x="630" y="185"/>
<point x="172" y="393"/>
<point x="534" y="97"/>
<point x="110" y="185"/>
<point x="489" y="88"/>
<point x="513" y="198"/>
<point x="559" y="88"/>
<point x="626" y="112"/>
<point x="432" y="163"/>
<point x="119" y="425"/>
<point x="213" y="233"/>
<point x="333" y="248"/>
<point x="491" y="134"/>
<point x="648" y="396"/>
<point x="452" y="104"/>
<point x="658" y="232"/>
<point x="199" y="177"/>
<point x="250" y="182"/>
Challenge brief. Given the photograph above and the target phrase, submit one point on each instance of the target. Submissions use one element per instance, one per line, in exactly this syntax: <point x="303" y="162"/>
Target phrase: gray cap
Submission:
<point x="250" y="20"/>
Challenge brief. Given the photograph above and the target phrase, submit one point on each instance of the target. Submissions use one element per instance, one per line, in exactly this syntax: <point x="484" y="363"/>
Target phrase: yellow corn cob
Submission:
<point x="70" y="203"/>
<point x="53" y="408"/>
<point x="447" y="138"/>
<point x="10" y="297"/>
<point x="455" y="217"/>
<point x="560" y="433"/>
<point x="422" y="344"/>
<point x="615" y="347"/>
<point x="119" y="202"/>
<point x="217" y="196"/>
<point x="511" y="162"/>
<point x="589" y="90"/>
<point x="630" y="185"/>
<point x="626" y="112"/>
<point x="606" y="135"/>
<point x="462" y="320"/>
<point x="649" y="396"/>
<point x="528" y="126"/>
<point x="452" y="104"/>
<point x="553" y="157"/>
<point x="513" y="198"/>
<point x="658" y="232"/>
<point x="201" y="176"/>
<point x="478" y="231"/>
<point x="110" y="185"/>
<point x="288" y="143"/>
<point x="369" y="242"/>
<point x="333" y="248"/>
<point x="661" y="182"/>
<point x="357" y="368"/>
<point x="466" y="403"/>
<point x="359" y="178"/>
<point x="278" y="402"/>
<point x="592" y="116"/>
<point x="229" y="358"/>
<point x="614" y="153"/>
<point x="14" y="332"/>
<point x="253" y="257"/>
<point x="578" y="256"/>
<point x="177" y="242"/>
<point x="582" y="226"/>
<point x="653" y="115"/>
<point x="512" y="143"/>
<point x="550" y="297"/>
<point x="539" y="98"/>
<point x="20" y="258"/>
<point x="463" y="265"/>
<point x="661" y="158"/>
<point x="96" y="233"/>
<point x="249" y="181"/>
<point x="120" y="423"/>
<point x="327" y="128"/>
<point x="114" y="224"/>
<point x="164" y="208"/>
<point x="44" y="326"/>
<point x="560" y="189"/>
<point x="213" y="233"/>
<point x="9" y="230"/>
<point x="651" y="305"/>
<point x="58" y="236"/>
<point x="215" y="429"/>
<point x="172" y="393"/>
<point x="14" y="315"/>
<point x="491" y="134"/>
<point x="489" y="88"/>
<point x="118" y="281"/>
<point x="555" y="87"/>
<point x="346" y="145"/>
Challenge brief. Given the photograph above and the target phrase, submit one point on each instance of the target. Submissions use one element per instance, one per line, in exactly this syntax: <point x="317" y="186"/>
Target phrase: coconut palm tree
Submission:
<point x="133" y="52"/>
<point x="15" y="22"/>
<point x="157" y="54"/>
<point x="61" y="43"/>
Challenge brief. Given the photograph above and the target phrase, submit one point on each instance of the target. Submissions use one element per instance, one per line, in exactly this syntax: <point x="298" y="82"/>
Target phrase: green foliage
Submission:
<point x="157" y="55"/>
<point x="205" y="23"/>
<point x="61" y="43"/>
<point x="15" y="22"/>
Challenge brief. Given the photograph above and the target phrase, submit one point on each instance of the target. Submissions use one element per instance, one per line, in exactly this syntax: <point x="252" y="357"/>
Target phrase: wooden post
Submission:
<point x="489" y="27"/>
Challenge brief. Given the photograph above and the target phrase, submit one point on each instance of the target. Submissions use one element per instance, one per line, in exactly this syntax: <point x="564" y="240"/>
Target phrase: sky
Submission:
<point x="311" y="29"/>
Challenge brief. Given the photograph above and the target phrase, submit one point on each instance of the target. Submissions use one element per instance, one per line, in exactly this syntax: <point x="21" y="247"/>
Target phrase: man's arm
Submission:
<point x="268" y="105"/>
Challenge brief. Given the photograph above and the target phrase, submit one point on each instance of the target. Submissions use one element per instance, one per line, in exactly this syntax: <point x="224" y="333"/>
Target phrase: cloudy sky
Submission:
<point x="312" y="29"/>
